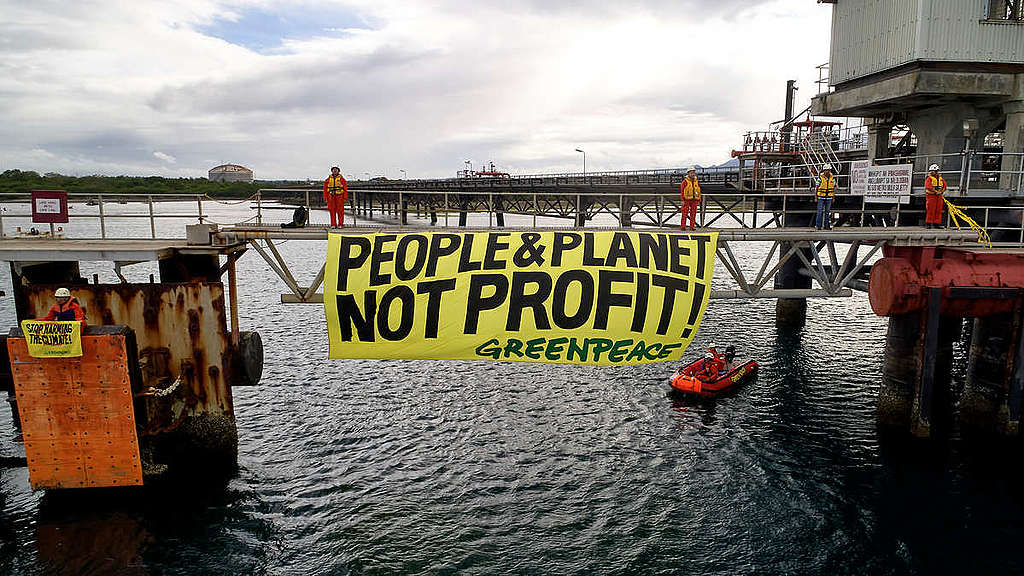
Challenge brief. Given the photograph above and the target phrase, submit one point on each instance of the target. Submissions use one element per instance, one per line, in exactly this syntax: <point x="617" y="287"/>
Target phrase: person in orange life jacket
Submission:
<point x="719" y="358"/>
<point x="66" y="308"/>
<point x="826" y="192"/>
<point x="335" y="195"/>
<point x="689" y="191"/>
<point x="708" y="371"/>
<point x="935" y="188"/>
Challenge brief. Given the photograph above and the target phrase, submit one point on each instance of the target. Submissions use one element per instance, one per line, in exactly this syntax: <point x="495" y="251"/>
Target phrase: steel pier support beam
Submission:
<point x="922" y="407"/>
<point x="1016" y="394"/>
<point x="625" y="211"/>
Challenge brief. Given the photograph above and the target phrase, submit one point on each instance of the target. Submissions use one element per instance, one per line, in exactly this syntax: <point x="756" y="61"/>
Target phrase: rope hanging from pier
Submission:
<point x="211" y="221"/>
<point x="212" y="199"/>
<point x="956" y="213"/>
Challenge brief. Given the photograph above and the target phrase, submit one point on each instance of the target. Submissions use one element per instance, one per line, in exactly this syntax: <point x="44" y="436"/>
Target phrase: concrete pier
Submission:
<point x="915" y="389"/>
<point x="926" y="292"/>
<point x="992" y="366"/>
<point x="792" y="311"/>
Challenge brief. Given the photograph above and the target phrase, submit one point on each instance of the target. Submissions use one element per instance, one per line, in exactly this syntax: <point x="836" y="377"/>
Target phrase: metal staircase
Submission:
<point x="816" y="151"/>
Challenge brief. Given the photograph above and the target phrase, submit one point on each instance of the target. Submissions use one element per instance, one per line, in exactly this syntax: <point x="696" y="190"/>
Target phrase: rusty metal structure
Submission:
<point x="185" y="353"/>
<point x="76" y="415"/>
<point x="927" y="293"/>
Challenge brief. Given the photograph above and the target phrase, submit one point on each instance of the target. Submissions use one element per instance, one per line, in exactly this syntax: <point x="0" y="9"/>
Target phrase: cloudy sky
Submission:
<point x="290" y="87"/>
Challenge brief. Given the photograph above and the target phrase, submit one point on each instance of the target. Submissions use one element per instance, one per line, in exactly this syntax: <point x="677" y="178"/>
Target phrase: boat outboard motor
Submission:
<point x="730" y="353"/>
<point x="299" y="218"/>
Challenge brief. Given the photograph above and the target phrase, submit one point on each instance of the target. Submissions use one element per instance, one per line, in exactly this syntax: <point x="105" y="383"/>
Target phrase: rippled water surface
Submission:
<point x="423" y="467"/>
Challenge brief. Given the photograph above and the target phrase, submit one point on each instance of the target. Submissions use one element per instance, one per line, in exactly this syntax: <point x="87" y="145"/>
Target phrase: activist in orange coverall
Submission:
<point x="935" y="188"/>
<point x="689" y="190"/>
<point x="335" y="195"/>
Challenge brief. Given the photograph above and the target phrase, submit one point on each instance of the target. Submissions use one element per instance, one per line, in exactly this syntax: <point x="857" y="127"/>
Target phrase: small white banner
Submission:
<point x="889" y="184"/>
<point x="48" y="205"/>
<point x="859" y="177"/>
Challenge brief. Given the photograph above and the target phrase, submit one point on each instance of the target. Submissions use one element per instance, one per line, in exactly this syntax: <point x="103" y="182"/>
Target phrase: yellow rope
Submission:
<point x="956" y="213"/>
<point x="208" y="197"/>
<point x="211" y="221"/>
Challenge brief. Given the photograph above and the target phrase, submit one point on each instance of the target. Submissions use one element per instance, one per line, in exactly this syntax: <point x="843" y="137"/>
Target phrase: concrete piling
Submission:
<point x="791" y="311"/>
<point x="916" y="369"/>
<point x="986" y="401"/>
<point x="899" y="370"/>
<point x="926" y="292"/>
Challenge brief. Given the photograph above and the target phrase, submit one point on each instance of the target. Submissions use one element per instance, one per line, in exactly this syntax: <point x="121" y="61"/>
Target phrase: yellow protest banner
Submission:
<point x="53" y="339"/>
<point x="574" y="297"/>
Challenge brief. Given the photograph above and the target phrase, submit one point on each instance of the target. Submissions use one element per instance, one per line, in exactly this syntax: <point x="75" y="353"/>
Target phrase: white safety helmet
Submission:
<point x="709" y="355"/>
<point x="712" y="346"/>
<point x="826" y="167"/>
<point x="63" y="293"/>
<point x="691" y="169"/>
<point x="933" y="167"/>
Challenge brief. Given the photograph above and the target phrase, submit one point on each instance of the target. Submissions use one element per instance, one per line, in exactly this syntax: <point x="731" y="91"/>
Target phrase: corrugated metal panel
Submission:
<point x="872" y="35"/>
<point x="956" y="31"/>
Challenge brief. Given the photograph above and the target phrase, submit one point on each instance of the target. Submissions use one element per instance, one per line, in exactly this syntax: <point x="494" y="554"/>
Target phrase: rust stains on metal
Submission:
<point x="193" y="325"/>
<point x="974" y="284"/>
<point x="77" y="416"/>
<point x="182" y="334"/>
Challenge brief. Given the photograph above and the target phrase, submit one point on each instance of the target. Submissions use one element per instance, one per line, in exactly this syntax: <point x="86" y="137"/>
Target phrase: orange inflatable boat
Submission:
<point x="685" y="380"/>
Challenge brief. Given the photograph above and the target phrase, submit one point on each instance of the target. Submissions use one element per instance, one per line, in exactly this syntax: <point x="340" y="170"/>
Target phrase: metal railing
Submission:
<point x="981" y="173"/>
<point x="752" y="210"/>
<point x="823" y="82"/>
<point x="729" y="210"/>
<point x="846" y="139"/>
<point x="713" y="174"/>
<point x="104" y="216"/>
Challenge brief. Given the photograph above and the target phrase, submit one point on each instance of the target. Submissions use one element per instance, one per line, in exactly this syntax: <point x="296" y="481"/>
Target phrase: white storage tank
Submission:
<point x="230" y="173"/>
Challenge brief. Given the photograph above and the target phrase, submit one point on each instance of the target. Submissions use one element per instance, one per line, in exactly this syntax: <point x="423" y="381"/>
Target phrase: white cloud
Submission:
<point x="165" y="157"/>
<point x="100" y="85"/>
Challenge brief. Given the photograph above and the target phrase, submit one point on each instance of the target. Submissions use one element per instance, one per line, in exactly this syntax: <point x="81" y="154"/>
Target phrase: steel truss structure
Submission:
<point x="838" y="261"/>
<point x="648" y="209"/>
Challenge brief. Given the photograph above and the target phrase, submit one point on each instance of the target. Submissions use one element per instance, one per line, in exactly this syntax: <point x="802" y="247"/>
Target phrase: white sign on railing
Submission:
<point x="859" y="177"/>
<point x="889" y="184"/>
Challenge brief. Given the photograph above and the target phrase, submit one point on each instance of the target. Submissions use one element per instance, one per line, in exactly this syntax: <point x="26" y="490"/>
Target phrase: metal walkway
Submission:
<point x="838" y="261"/>
<point x="831" y="258"/>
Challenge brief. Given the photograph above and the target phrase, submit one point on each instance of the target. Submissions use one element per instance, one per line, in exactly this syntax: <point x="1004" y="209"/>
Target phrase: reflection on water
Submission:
<point x="96" y="542"/>
<point x="481" y="468"/>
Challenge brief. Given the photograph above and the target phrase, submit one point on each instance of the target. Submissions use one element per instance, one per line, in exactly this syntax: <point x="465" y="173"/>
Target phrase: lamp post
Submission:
<point x="367" y="175"/>
<point x="584" y="161"/>
<point x="403" y="173"/>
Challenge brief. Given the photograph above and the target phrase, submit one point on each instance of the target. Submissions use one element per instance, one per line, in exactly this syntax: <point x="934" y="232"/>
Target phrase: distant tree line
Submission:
<point x="21" y="181"/>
